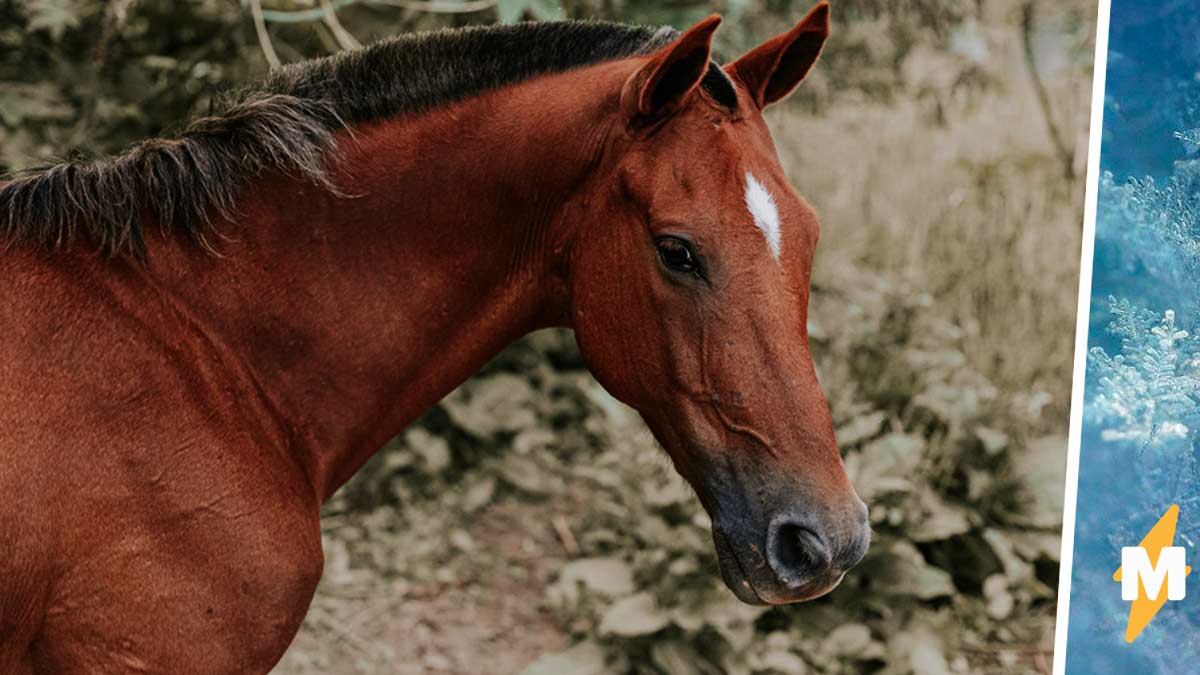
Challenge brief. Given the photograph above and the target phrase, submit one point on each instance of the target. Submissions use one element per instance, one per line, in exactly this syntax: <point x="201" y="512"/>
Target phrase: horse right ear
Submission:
<point x="773" y="69"/>
<point x="660" y="87"/>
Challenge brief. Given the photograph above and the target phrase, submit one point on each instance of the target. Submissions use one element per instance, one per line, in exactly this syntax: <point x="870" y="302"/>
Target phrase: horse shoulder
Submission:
<point x="177" y="535"/>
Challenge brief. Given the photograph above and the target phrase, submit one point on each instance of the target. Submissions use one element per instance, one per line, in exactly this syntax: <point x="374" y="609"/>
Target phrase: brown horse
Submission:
<point x="203" y="338"/>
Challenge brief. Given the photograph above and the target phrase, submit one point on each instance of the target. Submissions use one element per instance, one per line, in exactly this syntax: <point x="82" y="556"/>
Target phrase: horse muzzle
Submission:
<point x="792" y="557"/>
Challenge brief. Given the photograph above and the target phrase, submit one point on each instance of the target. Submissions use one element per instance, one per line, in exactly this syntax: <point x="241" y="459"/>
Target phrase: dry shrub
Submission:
<point x="960" y="192"/>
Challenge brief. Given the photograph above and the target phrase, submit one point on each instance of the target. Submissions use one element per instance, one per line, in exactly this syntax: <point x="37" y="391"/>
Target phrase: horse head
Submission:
<point x="690" y="287"/>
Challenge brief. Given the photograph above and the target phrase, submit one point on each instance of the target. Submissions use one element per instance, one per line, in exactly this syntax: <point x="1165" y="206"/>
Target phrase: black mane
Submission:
<point x="288" y="123"/>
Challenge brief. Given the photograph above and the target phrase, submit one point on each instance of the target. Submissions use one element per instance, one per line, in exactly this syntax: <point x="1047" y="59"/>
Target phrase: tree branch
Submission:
<point x="430" y="6"/>
<point x="1043" y="97"/>
<point x="343" y="36"/>
<point x="264" y="39"/>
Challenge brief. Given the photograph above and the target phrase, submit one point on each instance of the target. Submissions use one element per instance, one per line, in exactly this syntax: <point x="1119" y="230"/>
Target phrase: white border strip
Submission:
<point x="1095" y="133"/>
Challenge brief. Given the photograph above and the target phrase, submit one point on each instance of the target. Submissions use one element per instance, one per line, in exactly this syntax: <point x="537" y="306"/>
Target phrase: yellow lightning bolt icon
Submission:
<point x="1143" y="609"/>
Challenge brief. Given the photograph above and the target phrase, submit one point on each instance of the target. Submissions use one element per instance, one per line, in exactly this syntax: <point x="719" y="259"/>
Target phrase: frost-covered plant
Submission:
<point x="1148" y="392"/>
<point x="1154" y="230"/>
<point x="1190" y="140"/>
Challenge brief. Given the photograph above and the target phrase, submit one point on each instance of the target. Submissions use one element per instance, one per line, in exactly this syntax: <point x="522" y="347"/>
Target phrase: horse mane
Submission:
<point x="289" y="122"/>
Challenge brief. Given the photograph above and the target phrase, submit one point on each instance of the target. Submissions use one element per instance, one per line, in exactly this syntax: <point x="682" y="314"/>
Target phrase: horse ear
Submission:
<point x="662" y="85"/>
<point x="773" y="69"/>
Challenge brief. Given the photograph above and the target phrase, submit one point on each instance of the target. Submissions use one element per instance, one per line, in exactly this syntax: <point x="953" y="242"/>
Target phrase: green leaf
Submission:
<point x="782" y="661"/>
<point x="921" y="650"/>
<point x="433" y="450"/>
<point x="20" y="102"/>
<point x="53" y="16"/>
<point x="999" y="600"/>
<point x="1036" y="545"/>
<point x="633" y="616"/>
<point x="941" y="521"/>
<point x="993" y="440"/>
<point x="528" y="476"/>
<point x="1015" y="568"/>
<point x="952" y="403"/>
<point x="1042" y="464"/>
<point x="492" y="404"/>
<point x="675" y="657"/>
<point x="608" y="576"/>
<point x="860" y="428"/>
<point x="886" y="465"/>
<point x="479" y="494"/>
<point x="730" y="617"/>
<point x="585" y="658"/>
<point x="902" y="570"/>
<point x="848" y="640"/>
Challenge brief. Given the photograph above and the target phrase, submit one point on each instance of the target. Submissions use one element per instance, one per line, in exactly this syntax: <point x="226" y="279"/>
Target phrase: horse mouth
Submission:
<point x="732" y="572"/>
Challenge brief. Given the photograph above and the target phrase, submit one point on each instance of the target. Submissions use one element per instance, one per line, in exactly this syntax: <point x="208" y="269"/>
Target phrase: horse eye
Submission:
<point x="677" y="255"/>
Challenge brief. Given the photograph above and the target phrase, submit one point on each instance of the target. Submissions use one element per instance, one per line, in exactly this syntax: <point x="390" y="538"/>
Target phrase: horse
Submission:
<point x="204" y="337"/>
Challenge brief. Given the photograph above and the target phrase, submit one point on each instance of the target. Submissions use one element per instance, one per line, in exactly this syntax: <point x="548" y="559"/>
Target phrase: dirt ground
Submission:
<point x="488" y="619"/>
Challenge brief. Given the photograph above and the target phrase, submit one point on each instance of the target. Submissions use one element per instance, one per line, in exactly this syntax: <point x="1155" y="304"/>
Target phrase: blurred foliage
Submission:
<point x="962" y="468"/>
<point x="93" y="76"/>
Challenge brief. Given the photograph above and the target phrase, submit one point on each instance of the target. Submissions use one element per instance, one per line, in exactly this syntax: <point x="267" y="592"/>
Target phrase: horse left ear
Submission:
<point x="773" y="69"/>
<point x="661" y="86"/>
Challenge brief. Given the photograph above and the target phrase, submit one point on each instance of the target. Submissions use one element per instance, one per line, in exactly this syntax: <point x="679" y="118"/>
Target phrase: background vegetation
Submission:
<point x="529" y="523"/>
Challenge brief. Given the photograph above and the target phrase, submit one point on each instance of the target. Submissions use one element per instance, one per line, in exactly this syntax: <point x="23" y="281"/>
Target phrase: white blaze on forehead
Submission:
<point x="762" y="207"/>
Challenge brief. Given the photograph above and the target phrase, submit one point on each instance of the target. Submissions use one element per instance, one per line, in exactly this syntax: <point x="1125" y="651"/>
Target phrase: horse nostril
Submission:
<point x="796" y="553"/>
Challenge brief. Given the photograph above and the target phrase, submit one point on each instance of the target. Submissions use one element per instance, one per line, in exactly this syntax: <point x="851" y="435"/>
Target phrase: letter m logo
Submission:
<point x="1144" y="570"/>
<point x="1138" y="571"/>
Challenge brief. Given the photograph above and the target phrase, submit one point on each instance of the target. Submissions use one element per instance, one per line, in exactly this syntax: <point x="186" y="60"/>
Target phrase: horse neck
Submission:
<point x="351" y="316"/>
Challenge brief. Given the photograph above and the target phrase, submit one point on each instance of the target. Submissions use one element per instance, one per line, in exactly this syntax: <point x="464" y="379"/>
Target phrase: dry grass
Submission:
<point x="976" y="208"/>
